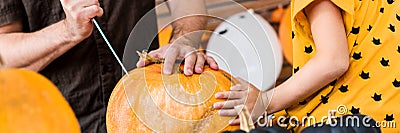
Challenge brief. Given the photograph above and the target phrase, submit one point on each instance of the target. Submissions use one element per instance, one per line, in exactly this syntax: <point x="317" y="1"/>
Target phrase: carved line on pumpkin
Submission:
<point x="229" y="78"/>
<point x="179" y="94"/>
<point x="171" y="91"/>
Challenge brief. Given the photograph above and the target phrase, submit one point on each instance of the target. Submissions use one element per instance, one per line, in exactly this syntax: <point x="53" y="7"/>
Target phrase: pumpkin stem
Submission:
<point x="144" y="56"/>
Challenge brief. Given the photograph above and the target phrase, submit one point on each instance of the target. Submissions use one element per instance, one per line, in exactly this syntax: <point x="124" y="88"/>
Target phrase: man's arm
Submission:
<point x="189" y="20"/>
<point x="188" y="16"/>
<point x="32" y="50"/>
<point x="36" y="50"/>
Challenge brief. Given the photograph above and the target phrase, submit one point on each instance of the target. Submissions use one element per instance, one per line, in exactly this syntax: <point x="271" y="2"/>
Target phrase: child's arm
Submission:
<point x="330" y="61"/>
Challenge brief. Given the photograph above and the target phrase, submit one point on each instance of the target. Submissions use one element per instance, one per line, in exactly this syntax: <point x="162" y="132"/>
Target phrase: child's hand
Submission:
<point x="242" y="93"/>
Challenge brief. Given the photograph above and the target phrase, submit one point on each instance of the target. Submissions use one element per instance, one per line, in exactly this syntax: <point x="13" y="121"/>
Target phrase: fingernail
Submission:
<point x="215" y="105"/>
<point x="189" y="71"/>
<point x="217" y="95"/>
<point x="234" y="87"/>
<point x="167" y="71"/>
<point x="200" y="69"/>
<point x="231" y="121"/>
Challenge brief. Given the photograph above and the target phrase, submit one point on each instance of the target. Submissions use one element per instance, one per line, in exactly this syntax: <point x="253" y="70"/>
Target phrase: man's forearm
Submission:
<point x="190" y="19"/>
<point x="37" y="49"/>
<point x="189" y="29"/>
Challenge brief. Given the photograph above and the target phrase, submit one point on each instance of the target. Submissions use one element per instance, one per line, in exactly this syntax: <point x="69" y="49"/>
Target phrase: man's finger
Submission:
<point x="86" y="3"/>
<point x="90" y="12"/>
<point x="142" y="63"/>
<point x="101" y="11"/>
<point x="213" y="64"/>
<point x="169" y="61"/>
<point x="190" y="61"/>
<point x="200" y="62"/>
<point x="79" y="4"/>
<point x="155" y="54"/>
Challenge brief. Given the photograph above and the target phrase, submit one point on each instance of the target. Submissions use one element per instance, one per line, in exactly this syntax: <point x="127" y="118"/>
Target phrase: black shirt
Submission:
<point x="87" y="73"/>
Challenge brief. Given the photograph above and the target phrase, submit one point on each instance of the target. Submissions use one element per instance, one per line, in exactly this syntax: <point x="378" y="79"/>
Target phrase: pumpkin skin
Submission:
<point x="121" y="117"/>
<point x="31" y="103"/>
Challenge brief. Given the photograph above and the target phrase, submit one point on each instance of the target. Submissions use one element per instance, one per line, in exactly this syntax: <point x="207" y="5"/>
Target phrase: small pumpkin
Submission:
<point x="277" y="14"/>
<point x="285" y="36"/>
<point x="181" y="103"/>
<point x="31" y="103"/>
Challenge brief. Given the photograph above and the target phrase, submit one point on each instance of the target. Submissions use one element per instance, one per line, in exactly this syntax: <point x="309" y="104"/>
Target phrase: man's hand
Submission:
<point x="78" y="17"/>
<point x="50" y="42"/>
<point x="190" y="18"/>
<point x="194" y="60"/>
<point x="242" y="93"/>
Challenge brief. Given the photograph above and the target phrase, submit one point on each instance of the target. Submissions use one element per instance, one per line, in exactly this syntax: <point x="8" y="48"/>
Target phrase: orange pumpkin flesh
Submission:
<point x="164" y="92"/>
<point x="31" y="103"/>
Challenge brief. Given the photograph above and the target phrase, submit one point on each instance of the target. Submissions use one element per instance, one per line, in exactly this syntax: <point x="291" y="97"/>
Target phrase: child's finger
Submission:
<point x="222" y="95"/>
<point x="242" y="81"/>
<point x="218" y="105"/>
<point x="238" y="87"/>
<point x="235" y="122"/>
<point x="230" y="104"/>
<point x="227" y="112"/>
<point x="230" y="95"/>
<point x="237" y="95"/>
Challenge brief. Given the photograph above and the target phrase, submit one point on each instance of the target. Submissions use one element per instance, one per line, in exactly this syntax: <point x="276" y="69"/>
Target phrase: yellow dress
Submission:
<point x="371" y="86"/>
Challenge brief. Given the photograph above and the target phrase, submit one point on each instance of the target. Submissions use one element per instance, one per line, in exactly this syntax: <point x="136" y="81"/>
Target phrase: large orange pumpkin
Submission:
<point x="31" y="103"/>
<point x="167" y="103"/>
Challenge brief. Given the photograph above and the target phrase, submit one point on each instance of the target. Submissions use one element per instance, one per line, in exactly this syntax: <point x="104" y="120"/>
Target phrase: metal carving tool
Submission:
<point x="109" y="46"/>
